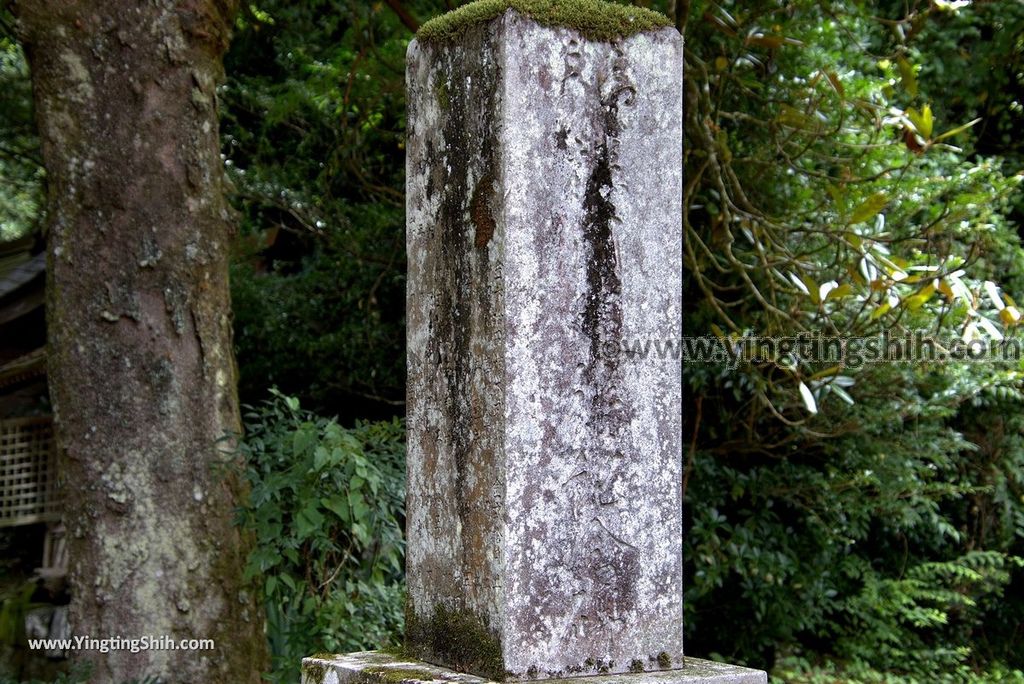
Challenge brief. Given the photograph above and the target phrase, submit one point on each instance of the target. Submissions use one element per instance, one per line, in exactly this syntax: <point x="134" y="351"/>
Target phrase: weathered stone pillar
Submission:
<point x="544" y="240"/>
<point x="544" y="211"/>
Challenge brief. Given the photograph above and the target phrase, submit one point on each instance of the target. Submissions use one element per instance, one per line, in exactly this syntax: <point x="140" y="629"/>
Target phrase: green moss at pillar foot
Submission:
<point x="595" y="19"/>
<point x="397" y="675"/>
<point x="314" y="672"/>
<point x="457" y="638"/>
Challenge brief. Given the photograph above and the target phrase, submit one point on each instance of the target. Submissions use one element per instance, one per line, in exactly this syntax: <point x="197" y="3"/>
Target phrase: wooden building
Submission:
<point x="28" y="476"/>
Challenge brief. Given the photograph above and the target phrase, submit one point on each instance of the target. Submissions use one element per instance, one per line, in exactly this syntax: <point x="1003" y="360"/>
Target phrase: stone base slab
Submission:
<point x="376" y="667"/>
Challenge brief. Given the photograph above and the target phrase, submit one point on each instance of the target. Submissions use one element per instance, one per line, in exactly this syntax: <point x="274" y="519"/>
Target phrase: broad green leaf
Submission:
<point x="828" y="372"/>
<point x="838" y="196"/>
<point x="869" y="208"/>
<point x="303" y="438"/>
<point x="1010" y="316"/>
<point x="844" y="290"/>
<point x="338" y="506"/>
<point x="813" y="289"/>
<point x="321" y="458"/>
<point x="922" y="120"/>
<point x="794" y="118"/>
<point x="308" y="520"/>
<point x="907" y="76"/>
<point x="358" y="504"/>
<point x="881" y="311"/>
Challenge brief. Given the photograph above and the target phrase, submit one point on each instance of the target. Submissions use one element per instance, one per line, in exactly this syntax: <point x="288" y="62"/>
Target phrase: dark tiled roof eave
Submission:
<point x="21" y="274"/>
<point x="27" y="367"/>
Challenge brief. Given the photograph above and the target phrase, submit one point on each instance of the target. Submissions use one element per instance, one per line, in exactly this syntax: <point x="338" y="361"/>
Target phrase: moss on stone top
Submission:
<point x="595" y="19"/>
<point x="397" y="675"/>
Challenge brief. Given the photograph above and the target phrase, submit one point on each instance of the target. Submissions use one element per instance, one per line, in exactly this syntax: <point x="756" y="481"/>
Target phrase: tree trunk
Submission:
<point x="141" y="367"/>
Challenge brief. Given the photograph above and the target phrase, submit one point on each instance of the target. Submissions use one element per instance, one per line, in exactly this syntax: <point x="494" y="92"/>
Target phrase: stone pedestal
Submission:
<point x="544" y="512"/>
<point x="374" y="667"/>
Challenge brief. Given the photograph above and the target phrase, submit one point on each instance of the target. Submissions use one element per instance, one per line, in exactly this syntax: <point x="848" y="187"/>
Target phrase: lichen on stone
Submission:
<point x="595" y="19"/>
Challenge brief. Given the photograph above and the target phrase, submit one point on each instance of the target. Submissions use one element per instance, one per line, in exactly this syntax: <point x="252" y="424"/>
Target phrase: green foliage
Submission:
<point x="796" y="670"/>
<point x="596" y="19"/>
<point x="326" y="508"/>
<point x="313" y="136"/>
<point x="78" y="674"/>
<point x="14" y="604"/>
<point x="973" y="60"/>
<point x="21" y="172"/>
<point x="862" y="515"/>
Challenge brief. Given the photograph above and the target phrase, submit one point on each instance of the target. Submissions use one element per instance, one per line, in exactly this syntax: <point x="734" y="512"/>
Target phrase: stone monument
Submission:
<point x="544" y="205"/>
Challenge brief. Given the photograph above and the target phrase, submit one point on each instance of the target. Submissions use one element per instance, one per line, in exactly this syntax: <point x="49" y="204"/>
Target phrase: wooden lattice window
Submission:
<point x="28" y="472"/>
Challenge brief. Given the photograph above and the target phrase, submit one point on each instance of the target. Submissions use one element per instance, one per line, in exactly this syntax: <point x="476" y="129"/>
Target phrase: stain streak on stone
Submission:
<point x="610" y="566"/>
<point x="602" y="315"/>
<point x="481" y="211"/>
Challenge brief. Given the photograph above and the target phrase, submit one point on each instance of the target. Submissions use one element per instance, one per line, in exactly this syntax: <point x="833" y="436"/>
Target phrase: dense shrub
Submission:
<point x="326" y="508"/>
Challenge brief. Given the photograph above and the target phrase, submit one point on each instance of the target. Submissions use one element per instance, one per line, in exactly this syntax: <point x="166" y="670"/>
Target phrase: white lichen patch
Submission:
<point x="147" y="568"/>
<point x="80" y="82"/>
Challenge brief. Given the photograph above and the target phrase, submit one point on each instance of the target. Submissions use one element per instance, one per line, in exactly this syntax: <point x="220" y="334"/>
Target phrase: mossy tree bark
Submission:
<point x="141" y="368"/>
